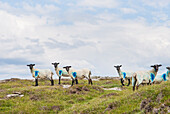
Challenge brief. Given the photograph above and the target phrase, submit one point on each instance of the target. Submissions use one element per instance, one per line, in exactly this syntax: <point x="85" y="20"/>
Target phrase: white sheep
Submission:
<point x="78" y="74"/>
<point x="41" y="73"/>
<point x="163" y="77"/>
<point x="124" y="75"/>
<point x="140" y="77"/>
<point x="60" y="71"/>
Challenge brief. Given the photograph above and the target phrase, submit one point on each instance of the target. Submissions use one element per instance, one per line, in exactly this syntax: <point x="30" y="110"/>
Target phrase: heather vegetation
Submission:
<point x="83" y="98"/>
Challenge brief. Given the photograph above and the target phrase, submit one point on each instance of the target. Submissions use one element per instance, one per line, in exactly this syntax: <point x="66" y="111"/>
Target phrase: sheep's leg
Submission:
<point x="128" y="82"/>
<point x="59" y="80"/>
<point x="90" y="81"/>
<point x="134" y="83"/>
<point x="150" y="82"/>
<point x="52" y="82"/>
<point x="36" y="82"/>
<point x="76" y="81"/>
<point x="121" y="80"/>
<point x="72" y="82"/>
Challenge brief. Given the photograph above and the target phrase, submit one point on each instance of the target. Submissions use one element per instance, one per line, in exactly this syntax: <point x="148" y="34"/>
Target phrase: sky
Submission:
<point x="92" y="34"/>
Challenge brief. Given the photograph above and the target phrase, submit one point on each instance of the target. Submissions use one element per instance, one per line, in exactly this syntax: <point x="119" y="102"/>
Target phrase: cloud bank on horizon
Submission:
<point x="95" y="34"/>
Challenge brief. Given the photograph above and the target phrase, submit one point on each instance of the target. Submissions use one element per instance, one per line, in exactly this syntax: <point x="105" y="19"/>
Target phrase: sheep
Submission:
<point x="148" y="76"/>
<point x="123" y="75"/>
<point x="60" y="71"/>
<point x="163" y="77"/>
<point x="74" y="74"/>
<point x="41" y="73"/>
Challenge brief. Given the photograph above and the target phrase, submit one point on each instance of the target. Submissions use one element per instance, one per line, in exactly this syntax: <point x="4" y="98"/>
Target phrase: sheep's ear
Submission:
<point x="52" y="63"/>
<point x="28" y="65"/>
<point x="33" y="64"/>
<point x="69" y="66"/>
<point x="115" y="66"/>
<point x="168" y="68"/>
<point x="120" y="65"/>
<point x="64" y="67"/>
<point x="58" y="63"/>
<point x="159" y="65"/>
<point x="152" y="65"/>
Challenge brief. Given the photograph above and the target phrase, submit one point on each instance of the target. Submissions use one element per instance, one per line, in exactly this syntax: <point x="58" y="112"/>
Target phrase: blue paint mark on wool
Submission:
<point x="152" y="77"/>
<point x="60" y="72"/>
<point x="36" y="73"/>
<point x="74" y="74"/>
<point x="164" y="76"/>
<point x="124" y="75"/>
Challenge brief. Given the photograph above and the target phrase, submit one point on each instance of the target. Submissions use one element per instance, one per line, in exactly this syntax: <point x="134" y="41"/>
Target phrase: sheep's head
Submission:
<point x="67" y="68"/>
<point x="168" y="68"/>
<point x="118" y="67"/>
<point x="156" y="67"/>
<point x="55" y="64"/>
<point x="31" y="66"/>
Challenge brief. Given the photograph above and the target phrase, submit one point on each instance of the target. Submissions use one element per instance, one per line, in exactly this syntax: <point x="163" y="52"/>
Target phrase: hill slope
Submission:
<point x="83" y="98"/>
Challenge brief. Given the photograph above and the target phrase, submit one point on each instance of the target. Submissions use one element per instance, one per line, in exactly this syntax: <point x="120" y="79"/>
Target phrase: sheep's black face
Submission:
<point x="55" y="64"/>
<point x="31" y="66"/>
<point x="118" y="67"/>
<point x="168" y="68"/>
<point x="156" y="67"/>
<point x="67" y="68"/>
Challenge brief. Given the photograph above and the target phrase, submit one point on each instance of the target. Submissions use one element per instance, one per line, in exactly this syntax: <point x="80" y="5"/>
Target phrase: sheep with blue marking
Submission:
<point x="140" y="77"/>
<point x="60" y="71"/>
<point x="41" y="73"/>
<point x="78" y="74"/>
<point x="124" y="75"/>
<point x="163" y="77"/>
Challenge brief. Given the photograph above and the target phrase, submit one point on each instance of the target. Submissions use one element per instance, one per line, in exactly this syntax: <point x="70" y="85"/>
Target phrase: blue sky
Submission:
<point x="93" y="34"/>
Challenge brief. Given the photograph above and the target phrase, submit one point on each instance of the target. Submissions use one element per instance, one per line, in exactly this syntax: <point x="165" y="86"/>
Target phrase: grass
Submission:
<point x="81" y="98"/>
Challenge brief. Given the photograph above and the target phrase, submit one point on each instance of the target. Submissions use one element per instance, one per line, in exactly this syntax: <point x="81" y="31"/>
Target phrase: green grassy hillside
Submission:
<point x="83" y="98"/>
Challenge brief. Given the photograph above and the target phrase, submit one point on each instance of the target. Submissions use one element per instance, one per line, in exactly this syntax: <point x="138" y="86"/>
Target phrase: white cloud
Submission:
<point x="128" y="10"/>
<point x="97" y="41"/>
<point x="99" y="3"/>
<point x="160" y="16"/>
<point x="157" y="3"/>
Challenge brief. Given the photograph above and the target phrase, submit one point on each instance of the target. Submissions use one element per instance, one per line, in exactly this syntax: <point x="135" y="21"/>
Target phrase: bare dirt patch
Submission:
<point x="108" y="95"/>
<point x="56" y="108"/>
<point x="112" y="106"/>
<point x="35" y="97"/>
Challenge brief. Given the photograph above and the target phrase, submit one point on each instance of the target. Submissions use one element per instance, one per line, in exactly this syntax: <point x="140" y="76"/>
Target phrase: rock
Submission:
<point x="15" y="94"/>
<point x="12" y="95"/>
<point x="19" y="93"/>
<point x="115" y="88"/>
<point x="66" y="86"/>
